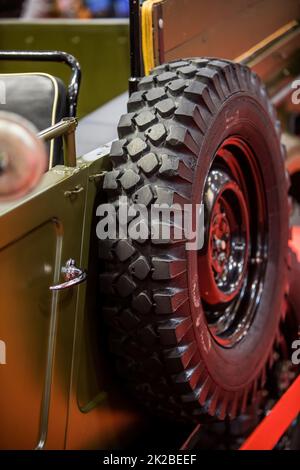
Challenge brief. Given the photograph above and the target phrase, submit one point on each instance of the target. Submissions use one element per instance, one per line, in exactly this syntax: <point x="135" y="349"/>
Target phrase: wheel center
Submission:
<point x="225" y="254"/>
<point x="220" y="240"/>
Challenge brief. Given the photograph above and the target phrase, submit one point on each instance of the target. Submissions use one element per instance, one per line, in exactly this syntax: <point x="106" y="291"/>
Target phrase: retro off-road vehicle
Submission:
<point x="199" y="336"/>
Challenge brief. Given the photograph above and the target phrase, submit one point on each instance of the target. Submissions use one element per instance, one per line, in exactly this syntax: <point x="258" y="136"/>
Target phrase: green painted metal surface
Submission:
<point x="48" y="334"/>
<point x="101" y="46"/>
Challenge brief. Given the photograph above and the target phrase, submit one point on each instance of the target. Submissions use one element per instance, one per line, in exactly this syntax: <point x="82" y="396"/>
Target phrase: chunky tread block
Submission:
<point x="156" y="134"/>
<point x="124" y="250"/>
<point x="180" y="357"/>
<point x="169" y="300"/>
<point x="146" y="83"/>
<point x="174" y="166"/>
<point x="208" y="75"/>
<point x="117" y="152"/>
<point x="136" y="101"/>
<point x="172" y="331"/>
<point x="139" y="268"/>
<point x="159" y="69"/>
<point x="177" y="86"/>
<point x="148" y="163"/>
<point x="180" y="136"/>
<point x="192" y="112"/>
<point x="142" y="303"/>
<point x="125" y="285"/>
<point x="110" y="181"/>
<point x="144" y="195"/>
<point x="226" y="68"/>
<point x="165" y="107"/>
<point x="200" y="92"/>
<point x="187" y="71"/>
<point x="169" y="196"/>
<point x="166" y="77"/>
<point x="136" y="147"/>
<point x="154" y="95"/>
<point x="144" y="119"/>
<point x="167" y="267"/>
<point x="129" y="179"/>
<point x="126" y="125"/>
<point x="188" y="380"/>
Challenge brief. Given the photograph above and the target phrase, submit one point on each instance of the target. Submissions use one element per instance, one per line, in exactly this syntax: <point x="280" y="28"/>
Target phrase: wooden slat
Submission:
<point x="217" y="28"/>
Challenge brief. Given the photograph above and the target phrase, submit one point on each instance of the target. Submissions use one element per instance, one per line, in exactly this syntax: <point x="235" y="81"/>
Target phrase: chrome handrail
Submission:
<point x="66" y="129"/>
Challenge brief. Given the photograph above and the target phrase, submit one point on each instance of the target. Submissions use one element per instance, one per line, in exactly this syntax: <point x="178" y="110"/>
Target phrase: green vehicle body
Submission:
<point x="48" y="377"/>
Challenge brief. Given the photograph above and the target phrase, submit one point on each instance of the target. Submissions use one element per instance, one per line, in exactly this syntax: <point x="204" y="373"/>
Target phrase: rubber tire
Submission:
<point x="176" y="120"/>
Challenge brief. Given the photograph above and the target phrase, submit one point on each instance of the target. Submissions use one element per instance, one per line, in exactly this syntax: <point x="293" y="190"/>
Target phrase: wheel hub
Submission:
<point x="227" y="239"/>
<point x="220" y="240"/>
<point x="232" y="261"/>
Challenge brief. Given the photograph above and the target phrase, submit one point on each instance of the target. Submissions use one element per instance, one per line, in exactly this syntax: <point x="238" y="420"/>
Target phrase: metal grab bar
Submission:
<point x="65" y="128"/>
<point x="53" y="56"/>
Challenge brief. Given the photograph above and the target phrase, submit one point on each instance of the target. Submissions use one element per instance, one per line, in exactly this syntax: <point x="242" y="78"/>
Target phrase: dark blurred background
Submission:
<point x="94" y="31"/>
<point x="85" y="9"/>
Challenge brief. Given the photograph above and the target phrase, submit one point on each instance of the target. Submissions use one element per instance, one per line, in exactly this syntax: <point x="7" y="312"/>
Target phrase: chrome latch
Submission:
<point x="72" y="276"/>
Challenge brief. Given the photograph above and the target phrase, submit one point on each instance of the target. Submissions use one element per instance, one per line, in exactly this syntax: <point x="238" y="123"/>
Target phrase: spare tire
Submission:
<point x="193" y="331"/>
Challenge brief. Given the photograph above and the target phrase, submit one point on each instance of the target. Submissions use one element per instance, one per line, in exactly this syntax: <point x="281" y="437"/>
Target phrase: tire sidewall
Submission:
<point x="233" y="368"/>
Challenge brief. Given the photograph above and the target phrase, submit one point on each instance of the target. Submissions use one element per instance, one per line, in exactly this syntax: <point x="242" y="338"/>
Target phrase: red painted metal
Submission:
<point x="295" y="241"/>
<point x="273" y="426"/>
<point x="189" y="443"/>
